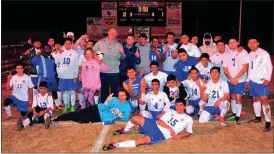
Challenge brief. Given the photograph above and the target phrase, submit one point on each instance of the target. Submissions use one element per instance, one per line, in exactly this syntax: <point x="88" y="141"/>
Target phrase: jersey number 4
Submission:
<point x="173" y="121"/>
<point x="66" y="61"/>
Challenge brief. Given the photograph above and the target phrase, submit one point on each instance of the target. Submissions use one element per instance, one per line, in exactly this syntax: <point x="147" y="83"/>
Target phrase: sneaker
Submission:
<point x="59" y="107"/>
<point x="237" y="120"/>
<point x="72" y="109"/>
<point x="47" y="123"/>
<point x="7" y="117"/>
<point x="222" y="120"/>
<point x="66" y="108"/>
<point x="108" y="147"/>
<point x="230" y="117"/>
<point x="119" y="131"/>
<point x="216" y="116"/>
<point x="267" y="127"/>
<point x="243" y="112"/>
<point x="20" y="125"/>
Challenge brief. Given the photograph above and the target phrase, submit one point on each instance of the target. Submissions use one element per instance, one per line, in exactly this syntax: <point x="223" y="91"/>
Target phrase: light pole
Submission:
<point x="240" y="21"/>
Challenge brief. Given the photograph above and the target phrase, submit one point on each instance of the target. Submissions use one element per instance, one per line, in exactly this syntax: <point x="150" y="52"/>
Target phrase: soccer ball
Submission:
<point x="100" y="55"/>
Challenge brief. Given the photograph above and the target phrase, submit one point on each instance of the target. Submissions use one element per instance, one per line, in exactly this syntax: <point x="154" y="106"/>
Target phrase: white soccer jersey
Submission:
<point x="42" y="101"/>
<point x="204" y="71"/>
<point x="56" y="57"/>
<point x="226" y="47"/>
<point x="216" y="91"/>
<point x="161" y="76"/>
<point x="81" y="60"/>
<point x="178" y="122"/>
<point x="157" y="102"/>
<point x="193" y="89"/>
<point x="260" y="66"/>
<point x="218" y="60"/>
<point x="234" y="62"/>
<point x="171" y="93"/>
<point x="20" y="86"/>
<point x="169" y="62"/>
<point x="68" y="65"/>
<point x="192" y="50"/>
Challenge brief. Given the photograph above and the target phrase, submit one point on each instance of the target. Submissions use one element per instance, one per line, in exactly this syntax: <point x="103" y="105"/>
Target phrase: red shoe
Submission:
<point x="216" y="116"/>
<point x="243" y="113"/>
<point x="7" y="117"/>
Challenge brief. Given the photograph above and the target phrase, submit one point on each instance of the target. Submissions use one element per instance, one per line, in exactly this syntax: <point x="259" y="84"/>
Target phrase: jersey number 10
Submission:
<point x="66" y="61"/>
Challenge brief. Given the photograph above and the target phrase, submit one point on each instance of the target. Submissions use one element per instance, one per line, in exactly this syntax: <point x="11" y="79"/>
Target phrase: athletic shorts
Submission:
<point x="151" y="129"/>
<point x="22" y="106"/>
<point x="257" y="90"/>
<point x="212" y="110"/>
<point x="237" y="89"/>
<point x="155" y="114"/>
<point x="66" y="84"/>
<point x="194" y="103"/>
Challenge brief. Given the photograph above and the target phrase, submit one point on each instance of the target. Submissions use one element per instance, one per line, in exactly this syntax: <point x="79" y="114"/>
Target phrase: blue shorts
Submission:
<point x="151" y="129"/>
<point x="194" y="103"/>
<point x="34" y="81"/>
<point x="66" y="84"/>
<point x="257" y="90"/>
<point x="155" y="114"/>
<point x="51" y="83"/>
<point x="237" y="89"/>
<point x="173" y="107"/>
<point x="78" y="84"/>
<point x="22" y="106"/>
<point x="212" y="110"/>
<point x="133" y="109"/>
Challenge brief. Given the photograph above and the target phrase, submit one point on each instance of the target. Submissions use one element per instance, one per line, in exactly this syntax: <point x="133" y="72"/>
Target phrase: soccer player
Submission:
<point x="114" y="108"/>
<point x="155" y="74"/>
<point x="195" y="40"/>
<point x="41" y="109"/>
<point x="168" y="59"/>
<point x="22" y="92"/>
<point x="217" y="38"/>
<point x="68" y="74"/>
<point x="195" y="87"/>
<point x="235" y="68"/>
<point x="156" y="53"/>
<point x="216" y="95"/>
<point x="156" y="100"/>
<point x="208" y="46"/>
<point x="219" y="58"/>
<point x="47" y="71"/>
<point x="191" y="49"/>
<point x="169" y="126"/>
<point x="204" y="66"/>
<point x="174" y="91"/>
<point x="133" y="86"/>
<point x="132" y="58"/>
<point x="184" y="65"/>
<point x="90" y="76"/>
<point x="143" y="47"/>
<point x="259" y="75"/>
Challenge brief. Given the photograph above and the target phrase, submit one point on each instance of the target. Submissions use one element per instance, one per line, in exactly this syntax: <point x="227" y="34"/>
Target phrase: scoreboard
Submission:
<point x="141" y="14"/>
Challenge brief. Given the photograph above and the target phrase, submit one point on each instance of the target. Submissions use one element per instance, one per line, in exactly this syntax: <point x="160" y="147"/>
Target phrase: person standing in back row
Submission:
<point x="144" y="48"/>
<point x="113" y="53"/>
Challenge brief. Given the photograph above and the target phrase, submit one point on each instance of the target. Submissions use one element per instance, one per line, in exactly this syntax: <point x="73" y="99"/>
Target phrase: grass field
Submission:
<point x="73" y="137"/>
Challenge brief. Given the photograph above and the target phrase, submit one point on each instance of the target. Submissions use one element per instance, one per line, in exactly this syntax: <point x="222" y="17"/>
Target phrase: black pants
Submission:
<point x="38" y="119"/>
<point x="109" y="80"/>
<point x="87" y="115"/>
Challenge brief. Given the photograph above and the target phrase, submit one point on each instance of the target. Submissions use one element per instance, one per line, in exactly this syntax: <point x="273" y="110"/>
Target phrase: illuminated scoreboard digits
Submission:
<point x="141" y="14"/>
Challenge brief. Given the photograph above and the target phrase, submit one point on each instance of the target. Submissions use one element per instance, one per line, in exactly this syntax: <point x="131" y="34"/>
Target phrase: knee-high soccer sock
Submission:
<point x="267" y="112"/>
<point x="142" y="107"/>
<point x="129" y="125"/>
<point x="201" y="106"/>
<point x="96" y="99"/>
<point x="81" y="97"/>
<point x="257" y="108"/>
<point x="66" y="97"/>
<point x="8" y="111"/>
<point x="126" y="144"/>
<point x="238" y="110"/>
<point x="26" y="122"/>
<point x="59" y="94"/>
<point x="57" y="103"/>
<point x="46" y="115"/>
<point x="72" y="97"/>
<point x="233" y="106"/>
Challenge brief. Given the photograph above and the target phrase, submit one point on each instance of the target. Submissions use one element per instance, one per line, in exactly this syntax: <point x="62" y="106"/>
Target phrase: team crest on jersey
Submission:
<point x="69" y="54"/>
<point x="186" y="68"/>
<point x="23" y="81"/>
<point x="160" y="100"/>
<point x="256" y="56"/>
<point x="182" y="119"/>
<point x="220" y="87"/>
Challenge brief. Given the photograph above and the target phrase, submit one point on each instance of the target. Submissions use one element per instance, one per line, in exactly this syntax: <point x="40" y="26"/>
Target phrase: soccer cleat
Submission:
<point x="108" y="147"/>
<point x="72" y="109"/>
<point x="230" y="117"/>
<point x="20" y="125"/>
<point x="66" y="108"/>
<point x="216" y="116"/>
<point x="222" y="120"/>
<point x="59" y="107"/>
<point x="243" y="112"/>
<point x="237" y="120"/>
<point x="47" y="122"/>
<point x="119" y="131"/>
<point x="256" y="120"/>
<point x="7" y="117"/>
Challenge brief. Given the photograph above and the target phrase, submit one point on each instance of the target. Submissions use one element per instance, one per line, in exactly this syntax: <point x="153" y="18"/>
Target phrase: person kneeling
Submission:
<point x="41" y="109"/>
<point x="169" y="125"/>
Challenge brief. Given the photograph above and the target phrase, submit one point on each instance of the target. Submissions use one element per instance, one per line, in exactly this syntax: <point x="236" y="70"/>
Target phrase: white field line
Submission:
<point x="100" y="139"/>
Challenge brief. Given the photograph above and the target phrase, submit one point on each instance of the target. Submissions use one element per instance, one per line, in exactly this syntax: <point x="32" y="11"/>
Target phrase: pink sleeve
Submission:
<point x="104" y="67"/>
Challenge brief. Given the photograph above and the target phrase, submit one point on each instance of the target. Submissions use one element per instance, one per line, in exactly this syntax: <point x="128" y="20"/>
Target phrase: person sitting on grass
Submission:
<point x="114" y="108"/>
<point x="41" y="109"/>
<point x="169" y="125"/>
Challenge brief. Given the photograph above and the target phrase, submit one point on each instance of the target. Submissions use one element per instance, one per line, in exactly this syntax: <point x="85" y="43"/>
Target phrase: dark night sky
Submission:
<point x="215" y="17"/>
